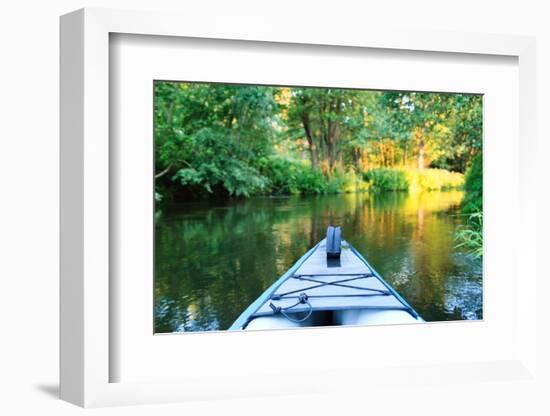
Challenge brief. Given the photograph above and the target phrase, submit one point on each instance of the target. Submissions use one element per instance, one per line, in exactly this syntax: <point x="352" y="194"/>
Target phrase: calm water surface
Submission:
<point x="213" y="260"/>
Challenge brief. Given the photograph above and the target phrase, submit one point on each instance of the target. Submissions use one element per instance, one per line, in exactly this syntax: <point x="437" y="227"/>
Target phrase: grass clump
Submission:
<point x="384" y="179"/>
<point x="413" y="180"/>
<point x="433" y="179"/>
<point x="470" y="235"/>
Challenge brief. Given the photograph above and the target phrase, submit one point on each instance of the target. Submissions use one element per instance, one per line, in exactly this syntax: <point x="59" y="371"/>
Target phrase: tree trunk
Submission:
<point x="313" y="154"/>
<point x="332" y="154"/>
<point x="164" y="172"/>
<point x="419" y="138"/>
<point x="330" y="150"/>
<point x="313" y="151"/>
<point x="331" y="134"/>
<point x="421" y="153"/>
<point x="357" y="158"/>
<point x="364" y="161"/>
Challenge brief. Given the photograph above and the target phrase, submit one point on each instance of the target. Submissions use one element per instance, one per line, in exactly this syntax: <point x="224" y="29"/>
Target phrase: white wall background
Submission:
<point x="29" y="206"/>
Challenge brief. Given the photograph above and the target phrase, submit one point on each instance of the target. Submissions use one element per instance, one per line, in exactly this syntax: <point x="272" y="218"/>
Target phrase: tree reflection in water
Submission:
<point x="213" y="260"/>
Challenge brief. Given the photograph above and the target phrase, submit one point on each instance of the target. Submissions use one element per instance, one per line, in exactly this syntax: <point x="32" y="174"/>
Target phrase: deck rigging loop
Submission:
<point x="303" y="298"/>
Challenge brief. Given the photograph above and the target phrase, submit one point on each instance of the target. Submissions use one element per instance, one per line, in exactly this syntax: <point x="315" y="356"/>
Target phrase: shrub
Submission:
<point x="352" y="182"/>
<point x="290" y="177"/>
<point x="473" y="185"/>
<point x="281" y="174"/>
<point x="413" y="180"/>
<point x="287" y="176"/>
<point x="383" y="179"/>
<point x="310" y="181"/>
<point x="214" y="169"/>
<point x="433" y="179"/>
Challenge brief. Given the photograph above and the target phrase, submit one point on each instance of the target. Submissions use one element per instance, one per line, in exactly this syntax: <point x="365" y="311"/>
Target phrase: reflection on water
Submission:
<point x="213" y="260"/>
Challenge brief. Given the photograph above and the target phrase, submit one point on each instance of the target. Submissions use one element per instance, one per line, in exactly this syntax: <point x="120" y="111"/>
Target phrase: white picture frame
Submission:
<point x="85" y="217"/>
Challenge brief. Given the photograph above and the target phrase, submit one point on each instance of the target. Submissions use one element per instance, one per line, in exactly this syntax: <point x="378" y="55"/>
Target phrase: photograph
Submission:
<point x="283" y="207"/>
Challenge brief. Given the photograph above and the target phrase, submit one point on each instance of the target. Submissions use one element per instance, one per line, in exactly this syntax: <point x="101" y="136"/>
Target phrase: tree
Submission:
<point x="326" y="116"/>
<point x="208" y="136"/>
<point x="418" y="115"/>
<point x="239" y="139"/>
<point x="467" y="126"/>
<point x="300" y="117"/>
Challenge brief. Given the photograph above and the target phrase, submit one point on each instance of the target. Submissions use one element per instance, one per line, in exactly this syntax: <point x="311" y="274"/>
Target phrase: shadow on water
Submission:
<point x="213" y="260"/>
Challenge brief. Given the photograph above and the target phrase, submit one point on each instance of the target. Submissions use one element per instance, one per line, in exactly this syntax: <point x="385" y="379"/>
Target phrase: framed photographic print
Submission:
<point x="251" y="177"/>
<point x="233" y="205"/>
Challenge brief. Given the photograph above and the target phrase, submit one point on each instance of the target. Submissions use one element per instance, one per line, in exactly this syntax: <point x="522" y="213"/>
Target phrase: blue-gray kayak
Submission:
<point x="332" y="284"/>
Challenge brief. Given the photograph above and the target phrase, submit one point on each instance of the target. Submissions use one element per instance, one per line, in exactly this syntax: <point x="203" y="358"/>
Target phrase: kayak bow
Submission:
<point x="332" y="284"/>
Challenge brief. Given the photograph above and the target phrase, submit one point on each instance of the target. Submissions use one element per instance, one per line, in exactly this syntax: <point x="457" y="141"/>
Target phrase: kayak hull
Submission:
<point x="316" y="291"/>
<point x="373" y="317"/>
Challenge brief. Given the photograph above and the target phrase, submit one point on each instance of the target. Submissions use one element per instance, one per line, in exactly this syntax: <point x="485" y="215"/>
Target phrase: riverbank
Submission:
<point x="282" y="176"/>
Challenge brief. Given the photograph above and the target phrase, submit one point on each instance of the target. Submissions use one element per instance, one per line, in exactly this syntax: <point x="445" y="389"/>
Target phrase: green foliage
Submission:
<point x="244" y="140"/>
<point x="433" y="179"/>
<point x="470" y="236"/>
<point x="466" y="123"/>
<point x="352" y="182"/>
<point x="213" y="167"/>
<point x="329" y="118"/>
<point x="384" y="179"/>
<point x="413" y="180"/>
<point x="473" y="185"/>
<point x="311" y="181"/>
<point x="208" y="137"/>
<point x="282" y="173"/>
<point x="291" y="177"/>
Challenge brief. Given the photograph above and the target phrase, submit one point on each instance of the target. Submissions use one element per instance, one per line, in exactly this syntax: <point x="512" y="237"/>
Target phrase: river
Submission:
<point x="213" y="259"/>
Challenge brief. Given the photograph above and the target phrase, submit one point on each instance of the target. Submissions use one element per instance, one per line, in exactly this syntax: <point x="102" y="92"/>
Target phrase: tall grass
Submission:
<point x="384" y="179"/>
<point x="413" y="180"/>
<point x="433" y="179"/>
<point x="470" y="236"/>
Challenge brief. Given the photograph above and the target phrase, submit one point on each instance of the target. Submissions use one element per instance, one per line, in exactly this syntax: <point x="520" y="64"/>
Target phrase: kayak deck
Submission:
<point x="316" y="286"/>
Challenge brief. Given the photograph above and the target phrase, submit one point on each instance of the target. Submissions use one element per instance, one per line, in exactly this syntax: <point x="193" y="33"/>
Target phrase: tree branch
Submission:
<point x="164" y="172"/>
